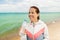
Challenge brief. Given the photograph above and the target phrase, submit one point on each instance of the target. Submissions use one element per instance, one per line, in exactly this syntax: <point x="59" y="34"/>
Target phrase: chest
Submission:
<point x="33" y="29"/>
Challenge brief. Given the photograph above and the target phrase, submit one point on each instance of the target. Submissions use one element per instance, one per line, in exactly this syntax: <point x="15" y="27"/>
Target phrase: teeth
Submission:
<point x="31" y="16"/>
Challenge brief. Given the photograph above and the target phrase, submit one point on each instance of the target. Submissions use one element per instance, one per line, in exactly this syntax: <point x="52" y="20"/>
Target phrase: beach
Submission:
<point x="53" y="29"/>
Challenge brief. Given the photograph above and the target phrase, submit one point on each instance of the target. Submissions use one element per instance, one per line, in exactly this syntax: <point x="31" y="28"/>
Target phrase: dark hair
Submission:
<point x="37" y="10"/>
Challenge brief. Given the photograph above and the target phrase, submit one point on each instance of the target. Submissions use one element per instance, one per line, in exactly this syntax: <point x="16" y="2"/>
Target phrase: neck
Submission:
<point x="36" y="20"/>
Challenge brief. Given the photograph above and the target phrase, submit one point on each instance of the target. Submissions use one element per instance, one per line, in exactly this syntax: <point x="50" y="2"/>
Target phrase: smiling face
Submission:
<point x="33" y="14"/>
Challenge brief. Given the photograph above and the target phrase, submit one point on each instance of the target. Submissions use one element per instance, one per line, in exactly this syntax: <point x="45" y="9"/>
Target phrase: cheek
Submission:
<point x="35" y="15"/>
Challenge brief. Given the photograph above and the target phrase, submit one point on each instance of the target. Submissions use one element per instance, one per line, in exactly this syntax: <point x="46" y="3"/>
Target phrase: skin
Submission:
<point x="33" y="15"/>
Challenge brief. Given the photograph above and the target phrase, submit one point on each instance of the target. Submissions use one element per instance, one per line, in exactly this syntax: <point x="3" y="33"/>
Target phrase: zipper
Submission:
<point x="33" y="31"/>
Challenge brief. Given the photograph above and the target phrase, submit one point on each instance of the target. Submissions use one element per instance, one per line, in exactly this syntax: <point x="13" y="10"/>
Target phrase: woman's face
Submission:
<point x="32" y="14"/>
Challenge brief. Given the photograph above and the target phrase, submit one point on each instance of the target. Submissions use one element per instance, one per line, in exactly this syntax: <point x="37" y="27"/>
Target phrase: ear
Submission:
<point x="38" y="14"/>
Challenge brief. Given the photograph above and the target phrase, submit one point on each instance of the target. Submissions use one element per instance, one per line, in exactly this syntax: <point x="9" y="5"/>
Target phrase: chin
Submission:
<point x="31" y="20"/>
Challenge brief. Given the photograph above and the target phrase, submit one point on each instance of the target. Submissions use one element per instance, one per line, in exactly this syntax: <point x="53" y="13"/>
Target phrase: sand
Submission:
<point x="54" y="30"/>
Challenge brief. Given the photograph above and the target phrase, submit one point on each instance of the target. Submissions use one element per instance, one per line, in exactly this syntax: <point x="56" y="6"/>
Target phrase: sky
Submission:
<point x="24" y="5"/>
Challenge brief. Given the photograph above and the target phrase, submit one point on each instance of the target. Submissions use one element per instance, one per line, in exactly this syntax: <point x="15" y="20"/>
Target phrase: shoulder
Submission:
<point x="24" y="23"/>
<point x="42" y="23"/>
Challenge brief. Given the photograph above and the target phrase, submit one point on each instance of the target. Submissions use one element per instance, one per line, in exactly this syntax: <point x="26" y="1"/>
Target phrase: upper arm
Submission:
<point x="22" y="29"/>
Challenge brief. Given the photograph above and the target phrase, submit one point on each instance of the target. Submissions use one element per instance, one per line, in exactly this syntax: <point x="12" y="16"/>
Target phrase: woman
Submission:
<point x="36" y="29"/>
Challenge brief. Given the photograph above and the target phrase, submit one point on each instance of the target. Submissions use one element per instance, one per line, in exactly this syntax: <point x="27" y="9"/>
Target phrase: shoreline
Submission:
<point x="53" y="21"/>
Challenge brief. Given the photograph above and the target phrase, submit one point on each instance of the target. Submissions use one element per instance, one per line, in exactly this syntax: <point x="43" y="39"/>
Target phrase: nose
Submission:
<point x="30" y="14"/>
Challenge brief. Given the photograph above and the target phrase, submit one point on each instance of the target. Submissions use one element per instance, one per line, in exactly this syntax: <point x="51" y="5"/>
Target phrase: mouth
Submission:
<point x="31" y="16"/>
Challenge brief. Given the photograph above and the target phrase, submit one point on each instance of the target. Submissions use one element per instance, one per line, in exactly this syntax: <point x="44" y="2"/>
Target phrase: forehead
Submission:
<point x="32" y="9"/>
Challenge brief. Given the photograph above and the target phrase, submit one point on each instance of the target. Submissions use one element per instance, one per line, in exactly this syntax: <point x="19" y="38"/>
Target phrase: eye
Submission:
<point x="32" y="13"/>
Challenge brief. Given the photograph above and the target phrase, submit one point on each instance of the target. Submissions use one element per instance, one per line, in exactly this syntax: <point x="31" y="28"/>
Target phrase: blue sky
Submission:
<point x="23" y="5"/>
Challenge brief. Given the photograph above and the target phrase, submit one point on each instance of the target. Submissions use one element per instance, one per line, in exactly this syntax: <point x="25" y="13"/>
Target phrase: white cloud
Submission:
<point x="7" y="8"/>
<point x="23" y="5"/>
<point x="54" y="5"/>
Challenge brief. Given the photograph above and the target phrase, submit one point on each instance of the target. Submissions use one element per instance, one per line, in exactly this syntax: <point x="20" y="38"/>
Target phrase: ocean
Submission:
<point x="12" y="21"/>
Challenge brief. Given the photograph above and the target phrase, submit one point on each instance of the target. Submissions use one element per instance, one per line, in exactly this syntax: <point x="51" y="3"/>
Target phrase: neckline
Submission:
<point x="36" y="22"/>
